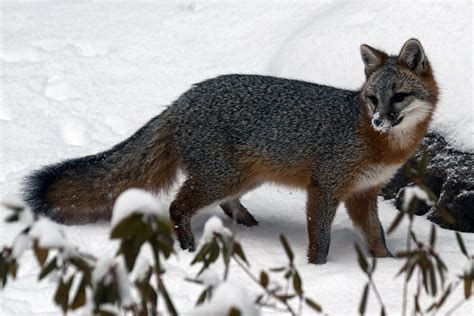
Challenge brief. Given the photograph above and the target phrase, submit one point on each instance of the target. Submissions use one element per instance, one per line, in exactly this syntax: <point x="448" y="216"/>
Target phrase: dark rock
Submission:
<point x="450" y="175"/>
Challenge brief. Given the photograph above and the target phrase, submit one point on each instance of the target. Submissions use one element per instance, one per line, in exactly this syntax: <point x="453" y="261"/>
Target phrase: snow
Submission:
<point x="49" y="234"/>
<point x="136" y="201"/>
<point x="26" y="217"/>
<point x="412" y="192"/>
<point x="77" y="78"/>
<point x="20" y="244"/>
<point x="209" y="278"/>
<point x="142" y="263"/>
<point x="123" y="283"/>
<point x="225" y="297"/>
<point x="213" y="226"/>
<point x="102" y="268"/>
<point x="325" y="49"/>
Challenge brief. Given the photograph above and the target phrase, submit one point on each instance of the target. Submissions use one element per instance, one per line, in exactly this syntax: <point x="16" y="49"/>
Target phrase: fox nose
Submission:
<point x="378" y="122"/>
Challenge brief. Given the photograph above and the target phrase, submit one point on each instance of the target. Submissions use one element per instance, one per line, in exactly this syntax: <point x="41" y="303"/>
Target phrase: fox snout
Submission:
<point x="383" y="122"/>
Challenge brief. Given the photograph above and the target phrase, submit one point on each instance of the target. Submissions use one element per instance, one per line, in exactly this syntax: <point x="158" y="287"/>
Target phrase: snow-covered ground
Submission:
<point x="78" y="77"/>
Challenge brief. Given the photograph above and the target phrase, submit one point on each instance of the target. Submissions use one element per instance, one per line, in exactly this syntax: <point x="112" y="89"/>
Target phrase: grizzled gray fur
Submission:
<point x="233" y="133"/>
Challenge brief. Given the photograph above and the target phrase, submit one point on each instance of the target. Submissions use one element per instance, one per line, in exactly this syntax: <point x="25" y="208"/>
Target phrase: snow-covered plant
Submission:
<point x="101" y="283"/>
<point x="139" y="219"/>
<point x="421" y="258"/>
<point x="219" y="242"/>
<point x="130" y="282"/>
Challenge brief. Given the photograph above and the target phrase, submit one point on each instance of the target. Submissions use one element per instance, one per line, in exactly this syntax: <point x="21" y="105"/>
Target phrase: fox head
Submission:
<point x="400" y="91"/>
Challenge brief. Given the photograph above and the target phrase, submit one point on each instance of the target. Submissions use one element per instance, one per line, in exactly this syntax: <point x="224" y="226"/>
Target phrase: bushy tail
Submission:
<point x="84" y="189"/>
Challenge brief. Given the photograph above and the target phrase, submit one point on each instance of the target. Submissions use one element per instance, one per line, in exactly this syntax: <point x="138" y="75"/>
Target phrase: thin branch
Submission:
<point x="405" y="283"/>
<point x="455" y="307"/>
<point x="377" y="294"/>
<point x="254" y="278"/>
<point x="231" y="246"/>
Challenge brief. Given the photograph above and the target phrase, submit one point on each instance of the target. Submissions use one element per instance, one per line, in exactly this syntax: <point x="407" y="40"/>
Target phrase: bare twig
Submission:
<point x="255" y="279"/>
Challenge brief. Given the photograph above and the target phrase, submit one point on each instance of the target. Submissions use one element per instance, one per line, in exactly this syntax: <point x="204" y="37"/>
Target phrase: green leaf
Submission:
<point x="361" y="259"/>
<point x="363" y="301"/>
<point x="315" y="306"/>
<point x="41" y="253"/>
<point x="445" y="214"/>
<point x="201" y="254"/>
<point x="3" y="271"/>
<point x="285" y="297"/>
<point x="279" y="269"/>
<point x="164" y="244"/>
<point x="130" y="249"/>
<point x="297" y="284"/>
<point x="396" y="222"/>
<point x="82" y="266"/>
<point x="80" y="297"/>
<point x="164" y="226"/>
<point x="12" y="218"/>
<point x="441" y="268"/>
<point x="128" y="226"/>
<point x="467" y="286"/>
<point x="234" y="311"/>
<point x="422" y="163"/>
<point x="13" y="267"/>
<point x="434" y="288"/>
<point x="409" y="172"/>
<point x="201" y="298"/>
<point x="62" y="293"/>
<point x="417" y="304"/>
<point x="432" y="235"/>
<point x="403" y="254"/>
<point x="168" y="301"/>
<point x="240" y="252"/>
<point x="213" y="253"/>
<point x="264" y="279"/>
<point x="287" y="247"/>
<point x="52" y="264"/>
<point x="461" y="244"/>
<point x="443" y="298"/>
<point x="151" y="294"/>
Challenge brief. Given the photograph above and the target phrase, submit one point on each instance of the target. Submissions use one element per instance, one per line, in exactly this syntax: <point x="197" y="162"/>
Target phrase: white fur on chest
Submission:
<point x="375" y="175"/>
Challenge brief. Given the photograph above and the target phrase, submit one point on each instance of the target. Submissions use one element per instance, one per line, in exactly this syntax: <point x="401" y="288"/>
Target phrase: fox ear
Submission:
<point x="372" y="58"/>
<point x="413" y="55"/>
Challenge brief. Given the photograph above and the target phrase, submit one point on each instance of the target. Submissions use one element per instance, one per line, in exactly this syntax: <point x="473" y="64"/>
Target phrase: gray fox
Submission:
<point x="232" y="133"/>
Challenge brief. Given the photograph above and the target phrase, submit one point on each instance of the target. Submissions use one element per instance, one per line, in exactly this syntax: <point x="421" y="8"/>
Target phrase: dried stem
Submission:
<point x="405" y="284"/>
<point x="254" y="278"/>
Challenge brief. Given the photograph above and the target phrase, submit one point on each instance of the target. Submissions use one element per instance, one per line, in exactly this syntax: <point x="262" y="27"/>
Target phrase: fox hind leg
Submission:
<point x="233" y="208"/>
<point x="195" y="194"/>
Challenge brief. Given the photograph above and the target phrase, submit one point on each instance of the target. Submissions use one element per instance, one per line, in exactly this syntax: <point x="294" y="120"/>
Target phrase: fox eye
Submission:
<point x="373" y="99"/>
<point x="399" y="97"/>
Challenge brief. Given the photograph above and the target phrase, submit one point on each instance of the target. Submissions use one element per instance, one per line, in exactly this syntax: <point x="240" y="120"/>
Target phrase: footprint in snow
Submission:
<point x="82" y="48"/>
<point x="59" y="90"/>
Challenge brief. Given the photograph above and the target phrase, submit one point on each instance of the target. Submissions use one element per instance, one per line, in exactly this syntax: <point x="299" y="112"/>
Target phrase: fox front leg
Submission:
<point x="362" y="208"/>
<point x="321" y="208"/>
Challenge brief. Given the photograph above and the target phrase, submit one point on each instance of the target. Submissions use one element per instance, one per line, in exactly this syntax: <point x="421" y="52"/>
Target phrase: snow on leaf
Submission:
<point x="20" y="244"/>
<point x="49" y="234"/>
<point x="222" y="302"/>
<point x="102" y="267"/>
<point x="415" y="191"/>
<point x="209" y="277"/>
<point x="212" y="226"/>
<point x="136" y="201"/>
